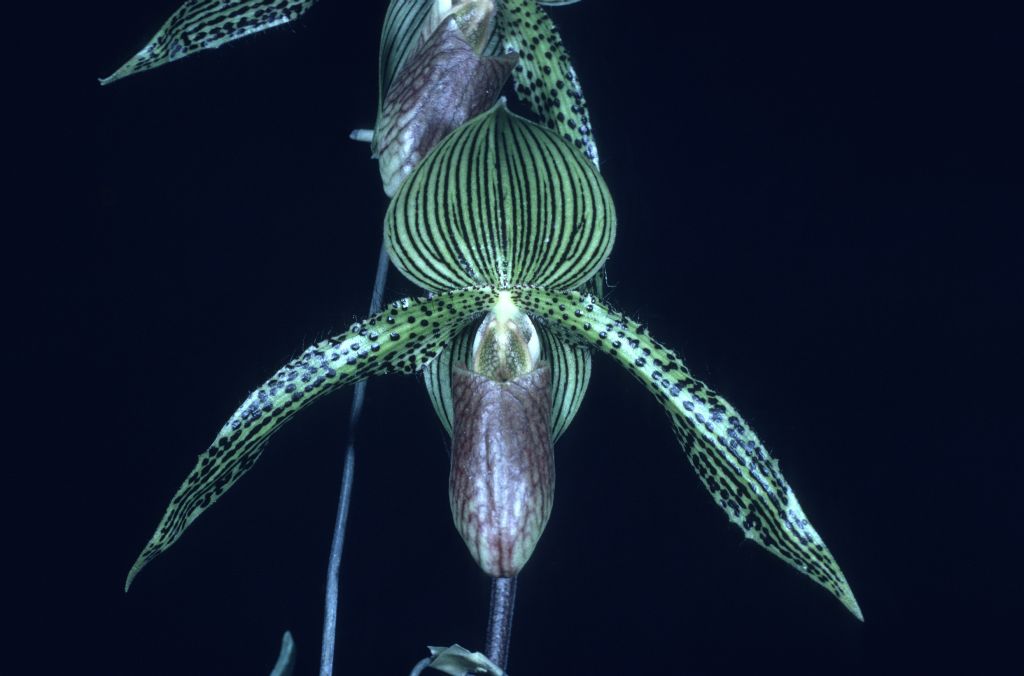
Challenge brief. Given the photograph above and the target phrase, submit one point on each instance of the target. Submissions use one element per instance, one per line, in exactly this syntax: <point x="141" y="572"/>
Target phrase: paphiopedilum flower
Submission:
<point x="518" y="226"/>
<point x="505" y="217"/>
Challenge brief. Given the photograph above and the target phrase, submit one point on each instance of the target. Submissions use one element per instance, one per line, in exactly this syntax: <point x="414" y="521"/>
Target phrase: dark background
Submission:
<point x="820" y="210"/>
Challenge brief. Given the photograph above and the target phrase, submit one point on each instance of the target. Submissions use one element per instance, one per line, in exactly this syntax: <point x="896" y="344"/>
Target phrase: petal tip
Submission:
<point x="851" y="604"/>
<point x="139" y="564"/>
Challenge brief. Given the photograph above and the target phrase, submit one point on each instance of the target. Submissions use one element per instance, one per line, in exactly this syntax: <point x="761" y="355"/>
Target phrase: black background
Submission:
<point x="820" y="209"/>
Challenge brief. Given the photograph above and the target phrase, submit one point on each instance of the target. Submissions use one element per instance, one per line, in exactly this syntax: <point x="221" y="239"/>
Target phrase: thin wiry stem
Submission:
<point x="499" y="624"/>
<point x="334" y="563"/>
<point x="345" y="497"/>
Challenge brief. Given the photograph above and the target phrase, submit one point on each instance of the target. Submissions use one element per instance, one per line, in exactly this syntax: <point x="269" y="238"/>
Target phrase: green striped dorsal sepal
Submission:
<point x="444" y="83"/>
<point x="570" y="374"/>
<point x="402" y="338"/>
<point x="728" y="457"/>
<point x="544" y="76"/>
<point x="501" y="201"/>
<point x="208" y="24"/>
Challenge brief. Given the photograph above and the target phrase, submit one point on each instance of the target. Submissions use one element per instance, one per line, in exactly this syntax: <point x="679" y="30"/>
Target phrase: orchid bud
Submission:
<point x="444" y="83"/>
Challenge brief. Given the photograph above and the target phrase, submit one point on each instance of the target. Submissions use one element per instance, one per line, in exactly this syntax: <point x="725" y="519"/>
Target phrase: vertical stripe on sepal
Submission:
<point x="501" y="201"/>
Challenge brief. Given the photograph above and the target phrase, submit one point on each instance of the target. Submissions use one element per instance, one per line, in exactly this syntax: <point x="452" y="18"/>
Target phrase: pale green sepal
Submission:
<point x="208" y="24"/>
<point x="728" y="457"/>
<point x="402" y="338"/>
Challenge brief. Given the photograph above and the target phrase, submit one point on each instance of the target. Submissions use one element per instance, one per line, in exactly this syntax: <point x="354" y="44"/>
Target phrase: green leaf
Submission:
<point x="570" y="374"/>
<point x="501" y="201"/>
<point x="208" y="24"/>
<point x="403" y="338"/>
<point x="544" y="77"/>
<point x="728" y="457"/>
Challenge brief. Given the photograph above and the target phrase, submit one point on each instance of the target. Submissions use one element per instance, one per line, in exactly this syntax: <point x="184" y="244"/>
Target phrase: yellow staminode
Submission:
<point x="506" y="345"/>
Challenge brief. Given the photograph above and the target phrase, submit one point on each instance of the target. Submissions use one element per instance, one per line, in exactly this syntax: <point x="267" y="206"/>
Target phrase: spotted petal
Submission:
<point x="402" y="338"/>
<point x="208" y="24"/>
<point x="545" y="77"/>
<point x="728" y="457"/>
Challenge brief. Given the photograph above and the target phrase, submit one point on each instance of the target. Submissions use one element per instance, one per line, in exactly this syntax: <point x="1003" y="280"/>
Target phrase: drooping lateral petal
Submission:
<point x="726" y="454"/>
<point x="544" y="76"/>
<point x="208" y="24"/>
<point x="570" y="374"/>
<point x="402" y="338"/>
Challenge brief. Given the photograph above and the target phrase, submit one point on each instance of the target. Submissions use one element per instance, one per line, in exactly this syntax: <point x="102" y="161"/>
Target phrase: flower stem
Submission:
<point x="345" y="497"/>
<point x="499" y="624"/>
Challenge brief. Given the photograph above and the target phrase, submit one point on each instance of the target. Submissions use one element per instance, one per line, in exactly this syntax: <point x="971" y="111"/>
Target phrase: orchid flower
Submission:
<point x="505" y="219"/>
<point x="507" y="224"/>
